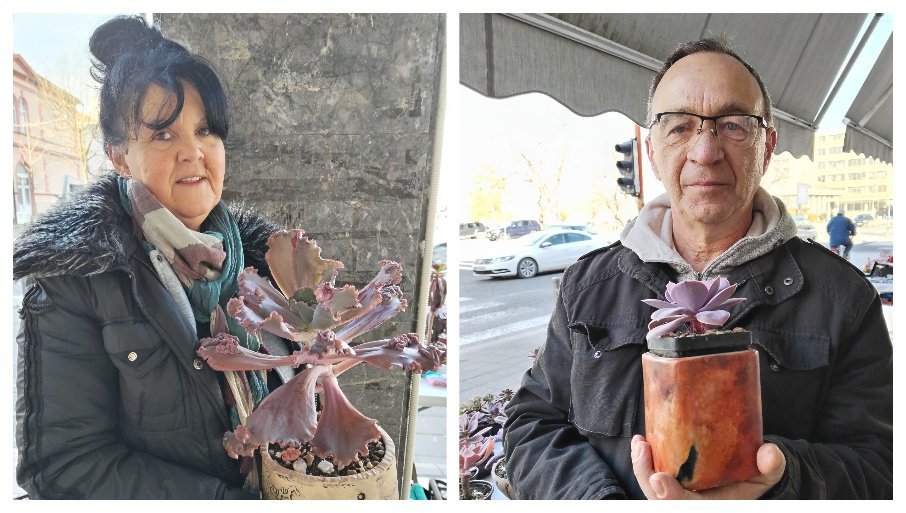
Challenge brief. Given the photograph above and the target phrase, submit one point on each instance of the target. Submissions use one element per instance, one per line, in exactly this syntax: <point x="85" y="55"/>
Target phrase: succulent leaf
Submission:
<point x="295" y="262"/>
<point x="696" y="303"/>
<point x="342" y="430"/>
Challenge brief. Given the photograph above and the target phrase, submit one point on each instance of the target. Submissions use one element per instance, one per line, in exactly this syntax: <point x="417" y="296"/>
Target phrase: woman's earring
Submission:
<point x="126" y="175"/>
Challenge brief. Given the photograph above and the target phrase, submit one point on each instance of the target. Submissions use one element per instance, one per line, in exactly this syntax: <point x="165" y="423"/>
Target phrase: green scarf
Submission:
<point x="207" y="263"/>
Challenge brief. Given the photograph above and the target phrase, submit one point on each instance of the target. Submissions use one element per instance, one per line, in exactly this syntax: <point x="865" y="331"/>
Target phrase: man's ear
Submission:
<point x="118" y="157"/>
<point x="770" y="142"/>
<point x="650" y="151"/>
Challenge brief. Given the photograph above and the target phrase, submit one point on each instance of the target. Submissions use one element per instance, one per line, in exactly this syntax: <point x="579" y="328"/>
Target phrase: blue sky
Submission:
<point x="48" y="40"/>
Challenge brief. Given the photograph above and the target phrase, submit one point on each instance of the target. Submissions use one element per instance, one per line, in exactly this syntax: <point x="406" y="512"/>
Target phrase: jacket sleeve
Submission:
<point x="851" y="454"/>
<point x="66" y="411"/>
<point x="547" y="458"/>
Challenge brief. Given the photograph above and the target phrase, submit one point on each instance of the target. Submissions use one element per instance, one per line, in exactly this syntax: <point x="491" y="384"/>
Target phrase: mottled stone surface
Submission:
<point x="332" y="130"/>
<point x="703" y="416"/>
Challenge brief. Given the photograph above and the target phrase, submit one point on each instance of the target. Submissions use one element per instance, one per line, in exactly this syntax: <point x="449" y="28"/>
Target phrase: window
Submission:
<point x="557" y="239"/>
<point x="576" y="237"/>
<point x="821" y="165"/>
<point x="23" y="193"/>
<point x="882" y="188"/>
<point x="22" y="116"/>
<point x="821" y="151"/>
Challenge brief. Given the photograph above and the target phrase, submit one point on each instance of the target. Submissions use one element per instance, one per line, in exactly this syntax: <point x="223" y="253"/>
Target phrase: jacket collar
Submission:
<point x="92" y="234"/>
<point x="650" y="235"/>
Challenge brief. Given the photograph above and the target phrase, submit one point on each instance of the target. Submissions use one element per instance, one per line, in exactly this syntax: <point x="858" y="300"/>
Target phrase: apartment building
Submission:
<point x="816" y="187"/>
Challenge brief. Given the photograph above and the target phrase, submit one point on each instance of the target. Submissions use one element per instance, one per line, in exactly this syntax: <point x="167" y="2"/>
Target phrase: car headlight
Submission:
<point x="501" y="259"/>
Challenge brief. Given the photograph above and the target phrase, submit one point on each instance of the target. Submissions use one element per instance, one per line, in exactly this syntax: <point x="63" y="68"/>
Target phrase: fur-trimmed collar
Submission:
<point x="91" y="234"/>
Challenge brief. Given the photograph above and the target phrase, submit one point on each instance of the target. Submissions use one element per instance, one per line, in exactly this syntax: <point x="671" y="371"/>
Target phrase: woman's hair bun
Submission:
<point x="122" y="35"/>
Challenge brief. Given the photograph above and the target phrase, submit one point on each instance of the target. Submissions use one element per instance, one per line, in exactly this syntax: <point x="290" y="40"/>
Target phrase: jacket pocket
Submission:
<point x="150" y="380"/>
<point x="795" y="352"/>
<point x="606" y="379"/>
<point x="794" y="371"/>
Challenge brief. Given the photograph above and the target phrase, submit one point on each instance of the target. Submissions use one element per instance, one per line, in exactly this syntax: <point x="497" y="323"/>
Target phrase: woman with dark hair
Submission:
<point x="112" y="402"/>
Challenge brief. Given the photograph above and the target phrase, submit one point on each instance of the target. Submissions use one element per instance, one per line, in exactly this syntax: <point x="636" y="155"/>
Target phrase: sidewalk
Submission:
<point x="429" y="452"/>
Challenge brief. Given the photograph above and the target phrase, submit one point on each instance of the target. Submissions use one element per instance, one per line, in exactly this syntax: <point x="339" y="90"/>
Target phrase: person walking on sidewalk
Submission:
<point x="841" y="230"/>
<point x="575" y="426"/>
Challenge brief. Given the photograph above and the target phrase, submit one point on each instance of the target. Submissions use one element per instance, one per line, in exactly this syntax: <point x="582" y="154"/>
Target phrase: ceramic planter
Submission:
<point x="703" y="408"/>
<point x="380" y="482"/>
<point x="479" y="490"/>
<point x="502" y="480"/>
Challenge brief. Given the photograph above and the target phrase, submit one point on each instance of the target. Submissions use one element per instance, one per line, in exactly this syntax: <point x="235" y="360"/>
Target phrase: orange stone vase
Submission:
<point x="703" y="408"/>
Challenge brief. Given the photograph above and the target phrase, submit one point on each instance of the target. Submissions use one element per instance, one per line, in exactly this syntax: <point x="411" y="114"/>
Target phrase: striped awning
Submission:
<point x="595" y="63"/>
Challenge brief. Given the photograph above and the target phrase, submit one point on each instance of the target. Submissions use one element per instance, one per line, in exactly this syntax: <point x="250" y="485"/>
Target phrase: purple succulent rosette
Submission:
<point x="307" y="308"/>
<point x="700" y="304"/>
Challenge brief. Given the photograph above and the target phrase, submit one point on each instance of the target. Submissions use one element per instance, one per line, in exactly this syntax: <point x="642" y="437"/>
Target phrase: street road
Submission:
<point x="501" y="321"/>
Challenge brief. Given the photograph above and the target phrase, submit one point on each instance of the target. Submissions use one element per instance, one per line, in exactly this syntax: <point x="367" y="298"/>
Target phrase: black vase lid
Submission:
<point x="697" y="345"/>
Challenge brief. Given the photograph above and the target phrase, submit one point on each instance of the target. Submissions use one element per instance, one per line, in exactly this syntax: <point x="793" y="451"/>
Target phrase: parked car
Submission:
<point x="577" y="227"/>
<point x="804" y="228"/>
<point x="545" y="251"/>
<point x="471" y="230"/>
<point x="861" y="219"/>
<point x="515" y="229"/>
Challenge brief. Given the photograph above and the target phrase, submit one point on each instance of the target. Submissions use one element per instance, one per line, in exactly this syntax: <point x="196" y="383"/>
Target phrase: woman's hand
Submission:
<point x="661" y="485"/>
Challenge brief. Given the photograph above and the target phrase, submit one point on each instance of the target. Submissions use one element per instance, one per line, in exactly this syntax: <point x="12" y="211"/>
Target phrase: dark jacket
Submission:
<point x="826" y="377"/>
<point x="840" y="228"/>
<point x="112" y="400"/>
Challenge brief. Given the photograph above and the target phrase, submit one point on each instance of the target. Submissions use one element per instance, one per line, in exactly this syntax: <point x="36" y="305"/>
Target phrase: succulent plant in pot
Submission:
<point x="475" y="449"/>
<point x="702" y="387"/>
<point x="337" y="443"/>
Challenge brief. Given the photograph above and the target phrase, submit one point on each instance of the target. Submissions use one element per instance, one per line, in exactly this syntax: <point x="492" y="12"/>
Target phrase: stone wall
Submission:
<point x="332" y="130"/>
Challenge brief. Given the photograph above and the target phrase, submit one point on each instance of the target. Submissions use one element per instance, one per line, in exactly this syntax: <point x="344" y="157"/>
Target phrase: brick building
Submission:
<point x="49" y="143"/>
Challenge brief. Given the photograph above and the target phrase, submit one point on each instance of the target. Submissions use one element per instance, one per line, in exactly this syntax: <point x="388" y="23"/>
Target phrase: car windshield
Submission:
<point x="529" y="241"/>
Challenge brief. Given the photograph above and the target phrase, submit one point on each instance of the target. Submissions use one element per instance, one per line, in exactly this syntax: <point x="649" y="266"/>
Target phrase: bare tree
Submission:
<point x="74" y="128"/>
<point x="547" y="185"/>
<point x="486" y="201"/>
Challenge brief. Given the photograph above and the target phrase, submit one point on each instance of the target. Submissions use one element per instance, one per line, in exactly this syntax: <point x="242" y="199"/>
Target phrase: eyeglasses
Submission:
<point x="679" y="128"/>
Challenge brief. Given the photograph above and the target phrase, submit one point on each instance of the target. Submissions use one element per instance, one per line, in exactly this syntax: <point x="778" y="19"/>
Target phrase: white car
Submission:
<point x="546" y="251"/>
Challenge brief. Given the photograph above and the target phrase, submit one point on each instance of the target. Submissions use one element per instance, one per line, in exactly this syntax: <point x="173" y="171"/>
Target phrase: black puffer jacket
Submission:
<point x="112" y="400"/>
<point x="826" y="377"/>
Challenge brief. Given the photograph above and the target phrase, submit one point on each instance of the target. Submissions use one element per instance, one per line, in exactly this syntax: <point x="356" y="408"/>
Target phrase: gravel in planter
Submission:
<point x="301" y="459"/>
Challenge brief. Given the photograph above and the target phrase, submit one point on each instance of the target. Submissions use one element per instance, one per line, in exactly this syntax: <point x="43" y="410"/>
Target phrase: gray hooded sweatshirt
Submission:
<point x="650" y="236"/>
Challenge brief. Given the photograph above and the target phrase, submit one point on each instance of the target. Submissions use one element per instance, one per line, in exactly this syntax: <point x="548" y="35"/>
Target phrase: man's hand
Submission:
<point x="661" y="485"/>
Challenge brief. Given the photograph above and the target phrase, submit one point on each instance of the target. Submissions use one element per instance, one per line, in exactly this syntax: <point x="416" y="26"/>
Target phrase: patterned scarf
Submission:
<point x="207" y="264"/>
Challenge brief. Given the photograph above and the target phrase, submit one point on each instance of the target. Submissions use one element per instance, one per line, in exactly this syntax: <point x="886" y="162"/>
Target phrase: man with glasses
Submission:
<point x="575" y="425"/>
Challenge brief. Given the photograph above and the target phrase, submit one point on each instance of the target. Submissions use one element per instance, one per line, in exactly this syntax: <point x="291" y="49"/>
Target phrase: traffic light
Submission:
<point x="628" y="166"/>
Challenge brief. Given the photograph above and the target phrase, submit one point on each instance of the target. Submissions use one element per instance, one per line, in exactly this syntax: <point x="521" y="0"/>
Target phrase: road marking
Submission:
<point x="514" y="313"/>
<point x="463" y="299"/>
<point x="478" y="306"/>
<point x="505" y="329"/>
